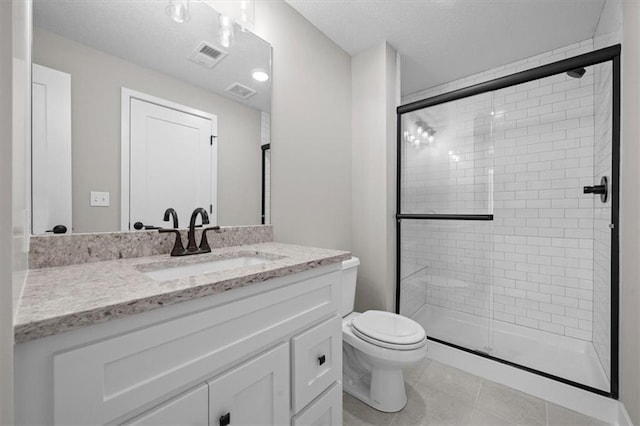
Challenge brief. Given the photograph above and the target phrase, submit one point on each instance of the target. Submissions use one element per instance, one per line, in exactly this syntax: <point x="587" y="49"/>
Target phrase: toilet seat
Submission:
<point x="389" y="330"/>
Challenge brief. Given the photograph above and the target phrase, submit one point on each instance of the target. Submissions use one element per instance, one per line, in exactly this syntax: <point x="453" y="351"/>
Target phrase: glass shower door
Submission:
<point x="446" y="221"/>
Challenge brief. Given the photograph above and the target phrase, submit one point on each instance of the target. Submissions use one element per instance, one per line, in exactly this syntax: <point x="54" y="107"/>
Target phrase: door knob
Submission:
<point x="139" y="225"/>
<point x="58" y="229"/>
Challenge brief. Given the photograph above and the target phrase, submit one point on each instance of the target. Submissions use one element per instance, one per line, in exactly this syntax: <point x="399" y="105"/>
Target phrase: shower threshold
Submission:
<point x="565" y="357"/>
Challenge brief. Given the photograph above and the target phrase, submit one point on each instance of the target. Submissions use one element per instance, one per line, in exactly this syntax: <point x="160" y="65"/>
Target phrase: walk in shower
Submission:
<point x="507" y="220"/>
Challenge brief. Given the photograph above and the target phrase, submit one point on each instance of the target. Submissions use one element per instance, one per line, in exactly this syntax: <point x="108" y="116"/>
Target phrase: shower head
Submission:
<point x="576" y="73"/>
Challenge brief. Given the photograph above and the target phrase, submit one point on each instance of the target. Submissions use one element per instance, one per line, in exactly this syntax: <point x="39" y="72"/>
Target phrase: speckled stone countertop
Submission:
<point x="64" y="298"/>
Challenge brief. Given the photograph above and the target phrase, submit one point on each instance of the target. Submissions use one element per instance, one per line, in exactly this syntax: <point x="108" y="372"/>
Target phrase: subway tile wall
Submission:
<point x="522" y="153"/>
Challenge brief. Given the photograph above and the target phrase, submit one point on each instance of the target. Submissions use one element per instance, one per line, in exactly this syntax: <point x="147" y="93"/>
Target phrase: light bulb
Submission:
<point x="178" y="11"/>
<point x="260" y="75"/>
<point x="431" y="138"/>
<point x="419" y="130"/>
<point x="225" y="31"/>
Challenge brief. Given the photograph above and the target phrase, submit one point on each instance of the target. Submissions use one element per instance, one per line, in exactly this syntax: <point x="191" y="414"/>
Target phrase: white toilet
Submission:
<point x="376" y="347"/>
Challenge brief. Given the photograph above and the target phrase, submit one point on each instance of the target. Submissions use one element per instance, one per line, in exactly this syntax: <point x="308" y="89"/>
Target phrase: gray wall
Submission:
<point x="96" y="81"/>
<point x="6" y="319"/>
<point x="630" y="214"/>
<point x="310" y="131"/>
<point x="373" y="77"/>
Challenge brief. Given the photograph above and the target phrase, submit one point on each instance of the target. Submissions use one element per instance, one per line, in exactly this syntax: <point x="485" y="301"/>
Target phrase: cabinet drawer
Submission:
<point x="316" y="361"/>
<point x="325" y="411"/>
<point x="189" y="409"/>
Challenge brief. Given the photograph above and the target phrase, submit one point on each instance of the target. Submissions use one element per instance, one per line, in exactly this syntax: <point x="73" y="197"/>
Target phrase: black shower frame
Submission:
<point x="263" y="212"/>
<point x="607" y="54"/>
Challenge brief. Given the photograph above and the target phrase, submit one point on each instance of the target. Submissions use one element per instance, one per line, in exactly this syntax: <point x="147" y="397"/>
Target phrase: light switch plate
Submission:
<point x="99" y="199"/>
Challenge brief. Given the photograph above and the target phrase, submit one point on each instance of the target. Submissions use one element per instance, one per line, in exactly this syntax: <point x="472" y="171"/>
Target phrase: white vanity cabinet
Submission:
<point x="269" y="353"/>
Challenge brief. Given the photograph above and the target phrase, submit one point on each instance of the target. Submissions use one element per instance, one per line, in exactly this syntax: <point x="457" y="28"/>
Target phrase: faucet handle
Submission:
<point x="178" y="248"/>
<point x="204" y="243"/>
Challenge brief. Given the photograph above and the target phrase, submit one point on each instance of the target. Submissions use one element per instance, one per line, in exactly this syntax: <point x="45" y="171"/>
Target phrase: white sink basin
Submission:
<point x="205" y="267"/>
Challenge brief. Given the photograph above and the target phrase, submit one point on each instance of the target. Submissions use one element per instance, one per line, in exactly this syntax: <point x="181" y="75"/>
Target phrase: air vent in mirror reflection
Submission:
<point x="240" y="91"/>
<point x="208" y="55"/>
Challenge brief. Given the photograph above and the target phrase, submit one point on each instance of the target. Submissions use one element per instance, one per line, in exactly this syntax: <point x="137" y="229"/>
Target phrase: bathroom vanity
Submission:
<point x="113" y="342"/>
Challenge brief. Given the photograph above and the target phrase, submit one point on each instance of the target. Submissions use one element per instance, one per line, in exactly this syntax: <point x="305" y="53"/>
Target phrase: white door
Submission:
<point x="188" y="409"/>
<point x="51" y="149"/>
<point x="255" y="393"/>
<point x="172" y="161"/>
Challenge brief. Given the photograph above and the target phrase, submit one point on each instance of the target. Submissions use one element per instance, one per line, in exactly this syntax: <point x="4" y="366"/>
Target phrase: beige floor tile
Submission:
<point x="511" y="404"/>
<point x="482" y="418"/>
<point x="358" y="413"/>
<point x="457" y="383"/>
<point x="431" y="407"/>
<point x="560" y="416"/>
<point x="414" y="374"/>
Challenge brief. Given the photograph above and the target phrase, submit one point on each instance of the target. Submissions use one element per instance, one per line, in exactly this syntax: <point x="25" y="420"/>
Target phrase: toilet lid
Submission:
<point x="389" y="330"/>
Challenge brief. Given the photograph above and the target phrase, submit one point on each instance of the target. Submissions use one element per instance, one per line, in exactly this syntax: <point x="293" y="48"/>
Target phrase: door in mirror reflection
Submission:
<point x="51" y="158"/>
<point x="172" y="161"/>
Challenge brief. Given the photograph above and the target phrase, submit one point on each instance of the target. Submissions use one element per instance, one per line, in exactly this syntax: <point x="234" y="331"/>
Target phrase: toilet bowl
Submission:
<point x="377" y="346"/>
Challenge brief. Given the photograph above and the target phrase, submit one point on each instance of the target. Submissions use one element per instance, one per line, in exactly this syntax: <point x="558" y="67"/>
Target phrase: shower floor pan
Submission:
<point x="565" y="357"/>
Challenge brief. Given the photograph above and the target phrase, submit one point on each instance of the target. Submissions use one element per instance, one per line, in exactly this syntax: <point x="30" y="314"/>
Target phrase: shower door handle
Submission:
<point x="602" y="189"/>
<point x="596" y="189"/>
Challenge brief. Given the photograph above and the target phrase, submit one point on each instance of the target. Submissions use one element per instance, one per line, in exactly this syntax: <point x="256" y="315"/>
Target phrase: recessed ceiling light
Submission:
<point x="260" y="75"/>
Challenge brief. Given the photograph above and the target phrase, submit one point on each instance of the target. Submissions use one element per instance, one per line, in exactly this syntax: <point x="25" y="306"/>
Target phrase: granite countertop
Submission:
<point x="64" y="298"/>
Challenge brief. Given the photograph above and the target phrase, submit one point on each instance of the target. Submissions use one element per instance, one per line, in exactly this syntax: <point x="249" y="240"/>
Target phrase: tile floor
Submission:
<point x="441" y="395"/>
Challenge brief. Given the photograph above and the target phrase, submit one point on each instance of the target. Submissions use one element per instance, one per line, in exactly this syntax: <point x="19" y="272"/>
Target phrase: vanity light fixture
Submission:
<point x="260" y="75"/>
<point x="178" y="11"/>
<point x="423" y="134"/>
<point x="225" y="30"/>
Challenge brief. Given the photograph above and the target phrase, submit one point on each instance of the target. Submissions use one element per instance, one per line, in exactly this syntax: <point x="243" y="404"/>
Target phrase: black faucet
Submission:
<point x="171" y="212"/>
<point x="178" y="248"/>
<point x="192" y="248"/>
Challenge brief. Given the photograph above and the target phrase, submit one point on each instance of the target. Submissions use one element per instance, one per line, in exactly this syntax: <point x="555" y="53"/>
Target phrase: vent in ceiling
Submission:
<point x="207" y="55"/>
<point x="240" y="91"/>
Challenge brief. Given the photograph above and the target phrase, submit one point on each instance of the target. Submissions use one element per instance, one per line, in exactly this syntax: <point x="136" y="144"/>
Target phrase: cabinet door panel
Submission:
<point x="188" y="409"/>
<point x="254" y="393"/>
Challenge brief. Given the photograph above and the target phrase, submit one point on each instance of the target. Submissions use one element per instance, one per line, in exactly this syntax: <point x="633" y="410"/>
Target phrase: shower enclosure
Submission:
<point x="507" y="223"/>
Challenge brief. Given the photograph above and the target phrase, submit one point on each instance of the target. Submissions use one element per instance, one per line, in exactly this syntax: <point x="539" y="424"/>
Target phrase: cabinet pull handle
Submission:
<point x="225" y="420"/>
<point x="321" y="359"/>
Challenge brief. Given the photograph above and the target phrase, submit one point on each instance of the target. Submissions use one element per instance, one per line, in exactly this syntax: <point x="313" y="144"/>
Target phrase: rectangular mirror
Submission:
<point x="134" y="113"/>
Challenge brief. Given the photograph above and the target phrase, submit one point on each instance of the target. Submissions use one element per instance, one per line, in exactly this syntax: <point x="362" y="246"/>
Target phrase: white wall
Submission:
<point x="373" y="77"/>
<point x="6" y="319"/>
<point x="21" y="175"/>
<point x="96" y="79"/>
<point x="310" y="131"/>
<point x="630" y="214"/>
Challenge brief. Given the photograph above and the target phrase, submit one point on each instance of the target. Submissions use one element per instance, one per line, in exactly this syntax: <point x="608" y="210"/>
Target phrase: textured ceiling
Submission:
<point x="142" y="33"/>
<point x="443" y="40"/>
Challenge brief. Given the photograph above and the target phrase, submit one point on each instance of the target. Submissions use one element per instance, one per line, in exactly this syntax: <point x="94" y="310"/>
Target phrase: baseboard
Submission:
<point x="623" y="416"/>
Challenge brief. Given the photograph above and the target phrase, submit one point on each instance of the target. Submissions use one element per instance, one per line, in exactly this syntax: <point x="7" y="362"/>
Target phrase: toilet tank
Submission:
<point x="348" y="285"/>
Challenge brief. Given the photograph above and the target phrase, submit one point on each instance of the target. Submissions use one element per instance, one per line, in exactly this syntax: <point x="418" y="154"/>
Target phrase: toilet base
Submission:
<point x="386" y="392"/>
